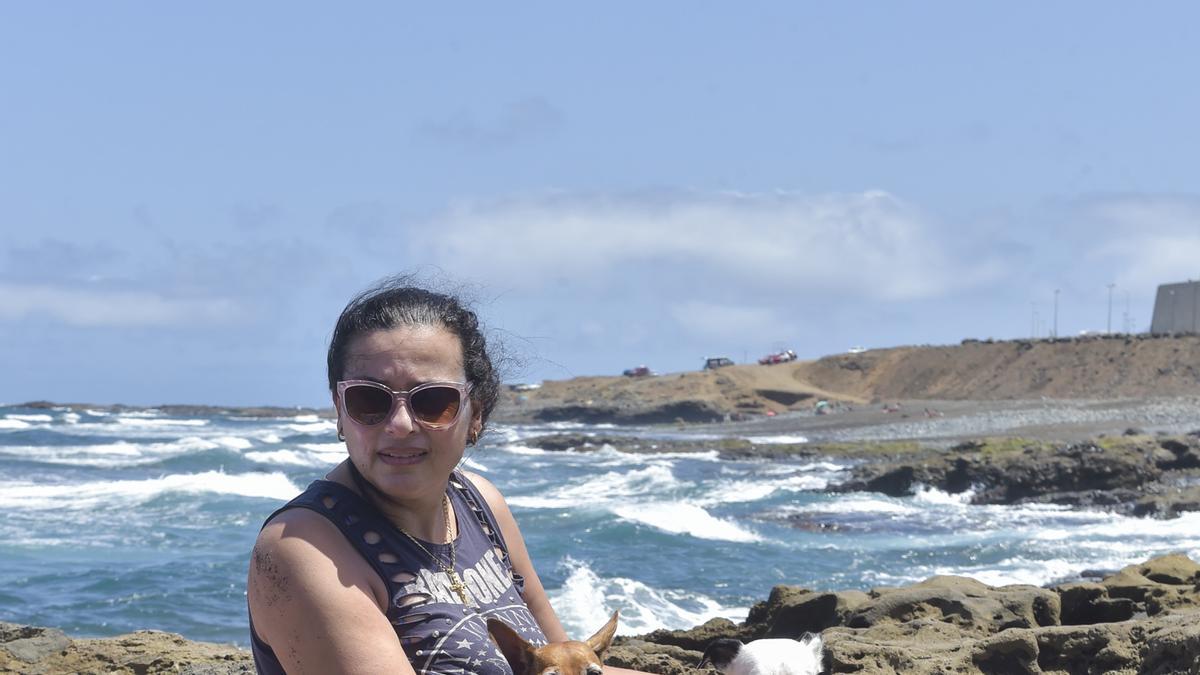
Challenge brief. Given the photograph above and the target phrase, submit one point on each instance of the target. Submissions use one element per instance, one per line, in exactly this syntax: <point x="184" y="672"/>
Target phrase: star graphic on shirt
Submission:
<point x="464" y="644"/>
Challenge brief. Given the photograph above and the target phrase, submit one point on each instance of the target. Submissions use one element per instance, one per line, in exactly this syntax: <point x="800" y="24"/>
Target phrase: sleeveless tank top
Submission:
<point x="438" y="632"/>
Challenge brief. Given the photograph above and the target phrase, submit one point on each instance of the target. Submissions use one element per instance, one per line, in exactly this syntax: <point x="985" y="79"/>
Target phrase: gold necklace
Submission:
<point x="456" y="584"/>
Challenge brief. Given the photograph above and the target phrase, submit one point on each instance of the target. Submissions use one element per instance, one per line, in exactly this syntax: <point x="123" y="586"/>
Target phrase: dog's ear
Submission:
<point x="516" y="650"/>
<point x="603" y="637"/>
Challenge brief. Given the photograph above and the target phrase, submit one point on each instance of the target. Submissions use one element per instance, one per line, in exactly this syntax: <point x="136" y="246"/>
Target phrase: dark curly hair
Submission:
<point x="397" y="301"/>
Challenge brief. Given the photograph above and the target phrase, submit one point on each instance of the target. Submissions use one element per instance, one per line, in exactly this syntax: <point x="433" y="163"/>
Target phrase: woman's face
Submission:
<point x="398" y="456"/>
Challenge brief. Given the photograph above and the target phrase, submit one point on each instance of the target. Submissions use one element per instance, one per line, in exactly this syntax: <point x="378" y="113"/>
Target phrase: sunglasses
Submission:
<point x="433" y="405"/>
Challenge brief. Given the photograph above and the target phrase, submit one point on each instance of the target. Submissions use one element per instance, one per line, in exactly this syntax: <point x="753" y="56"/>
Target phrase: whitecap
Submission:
<point x="522" y="449"/>
<point x="932" y="495"/>
<point x="113" y="455"/>
<point x="739" y="491"/>
<point x="232" y="442"/>
<point x="25" y="496"/>
<point x="326" y="448"/>
<point x="585" y="601"/>
<point x="30" y="418"/>
<point x="683" y="518"/>
<point x="14" y="424"/>
<point x="742" y="491"/>
<point x="294" y="458"/>
<point x="857" y="504"/>
<point x="313" y="428"/>
<point x="149" y="422"/>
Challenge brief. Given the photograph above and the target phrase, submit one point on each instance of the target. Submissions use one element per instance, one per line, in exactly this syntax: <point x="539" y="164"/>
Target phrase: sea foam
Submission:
<point x="586" y="600"/>
<point x="681" y="518"/>
<point x="30" y="418"/>
<point x="155" y="422"/>
<point x="25" y="496"/>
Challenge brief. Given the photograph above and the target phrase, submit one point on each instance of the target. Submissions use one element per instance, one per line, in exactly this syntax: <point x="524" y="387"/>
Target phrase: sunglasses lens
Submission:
<point x="436" y="405"/>
<point x="366" y="404"/>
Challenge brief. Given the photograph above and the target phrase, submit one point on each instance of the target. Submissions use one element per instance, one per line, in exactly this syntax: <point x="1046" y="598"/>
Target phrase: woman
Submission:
<point x="394" y="562"/>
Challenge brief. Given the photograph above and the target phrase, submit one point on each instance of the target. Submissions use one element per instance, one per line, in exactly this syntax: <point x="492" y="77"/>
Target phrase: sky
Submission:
<point x="190" y="193"/>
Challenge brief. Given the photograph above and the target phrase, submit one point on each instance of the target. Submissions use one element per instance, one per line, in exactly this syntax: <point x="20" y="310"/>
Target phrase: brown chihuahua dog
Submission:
<point x="559" y="658"/>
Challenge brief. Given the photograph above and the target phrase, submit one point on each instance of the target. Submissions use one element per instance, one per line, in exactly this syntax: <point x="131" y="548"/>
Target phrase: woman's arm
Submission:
<point x="535" y="594"/>
<point x="317" y="603"/>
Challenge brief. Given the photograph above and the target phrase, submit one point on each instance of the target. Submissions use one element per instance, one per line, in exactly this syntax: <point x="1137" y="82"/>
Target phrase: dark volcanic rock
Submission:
<point x="1088" y="603"/>
<point x="1140" y="476"/>
<point x="728" y="448"/>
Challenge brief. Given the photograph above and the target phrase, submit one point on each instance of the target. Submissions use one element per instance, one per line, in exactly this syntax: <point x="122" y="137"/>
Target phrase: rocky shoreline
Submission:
<point x="1144" y="618"/>
<point x="1134" y="474"/>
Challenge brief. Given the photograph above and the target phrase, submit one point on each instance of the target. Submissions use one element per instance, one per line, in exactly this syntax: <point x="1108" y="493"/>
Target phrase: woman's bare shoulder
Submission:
<point x="315" y="600"/>
<point x="491" y="494"/>
<point x="301" y="550"/>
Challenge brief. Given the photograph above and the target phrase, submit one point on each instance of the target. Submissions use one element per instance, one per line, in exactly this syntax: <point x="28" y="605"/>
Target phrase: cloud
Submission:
<point x="730" y="322"/>
<point x="522" y="120"/>
<point x="1148" y="240"/>
<point x="868" y="245"/>
<point x="88" y="307"/>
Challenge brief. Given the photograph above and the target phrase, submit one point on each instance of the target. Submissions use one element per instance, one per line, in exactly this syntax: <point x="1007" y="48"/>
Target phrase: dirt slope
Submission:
<point x="1102" y="367"/>
<point x="1098" y="367"/>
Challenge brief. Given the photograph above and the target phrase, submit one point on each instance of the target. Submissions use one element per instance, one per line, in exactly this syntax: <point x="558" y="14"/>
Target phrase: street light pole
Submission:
<point x="1110" y="290"/>
<point x="1195" y="306"/>
<point x="1056" y="313"/>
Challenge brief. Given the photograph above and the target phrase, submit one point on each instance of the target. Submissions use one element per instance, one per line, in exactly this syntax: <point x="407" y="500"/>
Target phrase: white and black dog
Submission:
<point x="772" y="656"/>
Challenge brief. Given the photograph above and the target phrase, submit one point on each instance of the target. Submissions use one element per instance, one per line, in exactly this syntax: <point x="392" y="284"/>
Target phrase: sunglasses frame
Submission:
<point x="463" y="388"/>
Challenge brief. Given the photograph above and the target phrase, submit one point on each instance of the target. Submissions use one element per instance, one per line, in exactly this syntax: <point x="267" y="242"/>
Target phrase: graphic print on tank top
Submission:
<point x="439" y="634"/>
<point x="446" y="637"/>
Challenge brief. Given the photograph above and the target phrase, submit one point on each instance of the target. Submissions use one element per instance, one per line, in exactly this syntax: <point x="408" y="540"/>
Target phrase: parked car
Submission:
<point x="524" y="387"/>
<point x="640" y="371"/>
<point x="856" y="350"/>
<point x="714" y="362"/>
<point x="778" y="357"/>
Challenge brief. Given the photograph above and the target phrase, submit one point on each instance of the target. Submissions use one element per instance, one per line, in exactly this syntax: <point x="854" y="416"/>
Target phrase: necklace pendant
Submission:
<point x="459" y="588"/>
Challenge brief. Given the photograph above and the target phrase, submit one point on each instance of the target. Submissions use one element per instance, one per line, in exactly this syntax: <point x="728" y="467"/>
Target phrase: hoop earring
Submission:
<point x="341" y="436"/>
<point x="473" y="438"/>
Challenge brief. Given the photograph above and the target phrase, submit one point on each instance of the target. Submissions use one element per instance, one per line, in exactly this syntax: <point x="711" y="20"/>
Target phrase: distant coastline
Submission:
<point x="186" y="410"/>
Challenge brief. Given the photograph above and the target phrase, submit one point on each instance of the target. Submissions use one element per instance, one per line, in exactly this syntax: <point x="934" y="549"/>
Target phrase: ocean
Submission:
<point x="120" y="521"/>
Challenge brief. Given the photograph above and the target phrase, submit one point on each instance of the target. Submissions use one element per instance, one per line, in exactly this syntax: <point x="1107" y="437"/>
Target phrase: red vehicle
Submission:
<point x="640" y="371"/>
<point x="780" y="357"/>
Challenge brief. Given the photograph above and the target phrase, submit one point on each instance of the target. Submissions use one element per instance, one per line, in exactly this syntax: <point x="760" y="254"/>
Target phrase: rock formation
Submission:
<point x="30" y="650"/>
<point x="1143" y="619"/>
